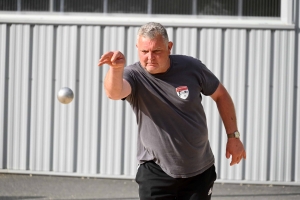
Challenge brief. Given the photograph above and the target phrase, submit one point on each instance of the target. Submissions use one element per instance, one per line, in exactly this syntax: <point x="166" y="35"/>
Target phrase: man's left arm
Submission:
<point x="234" y="147"/>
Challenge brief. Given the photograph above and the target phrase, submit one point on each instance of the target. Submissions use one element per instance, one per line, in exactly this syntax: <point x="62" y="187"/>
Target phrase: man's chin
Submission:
<point x="151" y="69"/>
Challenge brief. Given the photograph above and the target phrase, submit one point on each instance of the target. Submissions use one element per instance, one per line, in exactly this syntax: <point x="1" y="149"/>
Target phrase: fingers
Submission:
<point x="235" y="148"/>
<point x="236" y="159"/>
<point x="227" y="154"/>
<point x="112" y="58"/>
<point x="105" y="58"/>
<point x="244" y="155"/>
<point x="116" y="57"/>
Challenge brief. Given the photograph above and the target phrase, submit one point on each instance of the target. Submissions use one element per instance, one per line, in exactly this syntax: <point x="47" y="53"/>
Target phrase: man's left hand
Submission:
<point x="235" y="148"/>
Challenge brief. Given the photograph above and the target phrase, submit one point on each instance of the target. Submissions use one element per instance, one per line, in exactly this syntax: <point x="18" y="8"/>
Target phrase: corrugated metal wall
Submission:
<point x="95" y="136"/>
<point x="296" y="116"/>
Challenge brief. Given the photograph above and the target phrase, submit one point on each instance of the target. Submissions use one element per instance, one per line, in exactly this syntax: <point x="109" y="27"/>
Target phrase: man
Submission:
<point x="176" y="161"/>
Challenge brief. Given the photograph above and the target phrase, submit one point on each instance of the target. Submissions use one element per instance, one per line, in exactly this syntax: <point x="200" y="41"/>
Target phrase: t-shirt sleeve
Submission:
<point x="209" y="82"/>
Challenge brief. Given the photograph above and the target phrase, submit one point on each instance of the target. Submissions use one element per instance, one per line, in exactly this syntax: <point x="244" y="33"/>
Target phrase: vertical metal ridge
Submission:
<point x="194" y="7"/>
<point x="3" y="57"/>
<point x="105" y="6"/>
<point x="123" y="139"/>
<point x="198" y="42"/>
<point x="62" y="3"/>
<point x="100" y="83"/>
<point x="53" y="97"/>
<point x="273" y="102"/>
<point x="246" y="94"/>
<point x="19" y="5"/>
<point x="271" y="83"/>
<point x="6" y="93"/>
<point x="296" y="87"/>
<point x="77" y="92"/>
<point x="291" y="112"/>
<point x="51" y="5"/>
<point x="124" y="110"/>
<point x="149" y="7"/>
<point x="30" y="55"/>
<point x="222" y="60"/>
<point x="125" y="50"/>
<point x="174" y="38"/>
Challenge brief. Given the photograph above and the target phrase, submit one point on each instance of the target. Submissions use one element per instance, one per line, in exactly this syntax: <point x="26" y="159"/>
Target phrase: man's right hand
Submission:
<point x="115" y="86"/>
<point x="114" y="59"/>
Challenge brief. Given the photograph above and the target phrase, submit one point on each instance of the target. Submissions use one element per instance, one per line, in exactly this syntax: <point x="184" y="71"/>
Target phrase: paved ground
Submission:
<point x="52" y="187"/>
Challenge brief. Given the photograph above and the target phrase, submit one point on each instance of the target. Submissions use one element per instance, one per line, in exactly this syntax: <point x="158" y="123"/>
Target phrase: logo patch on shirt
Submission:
<point x="182" y="92"/>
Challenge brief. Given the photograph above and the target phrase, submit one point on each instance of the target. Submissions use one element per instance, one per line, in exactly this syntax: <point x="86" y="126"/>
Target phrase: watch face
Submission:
<point x="236" y="134"/>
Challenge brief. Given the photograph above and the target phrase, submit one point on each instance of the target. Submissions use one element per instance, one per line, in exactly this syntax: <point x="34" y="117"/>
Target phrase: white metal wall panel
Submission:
<point x="282" y="111"/>
<point x="297" y="99"/>
<point x="89" y="100"/>
<point x="96" y="136"/>
<point x="297" y="125"/>
<point x="18" y="96"/>
<point x="112" y="111"/>
<point x="131" y="52"/>
<point x="185" y="41"/>
<point x="210" y="54"/>
<point x="234" y="80"/>
<point x="170" y="31"/>
<point x="258" y="100"/>
<point x="64" y="115"/>
<point x="41" y="81"/>
<point x="3" y="46"/>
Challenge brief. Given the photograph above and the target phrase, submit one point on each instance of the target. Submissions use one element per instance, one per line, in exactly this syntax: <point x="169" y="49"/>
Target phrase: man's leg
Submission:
<point x="198" y="187"/>
<point x="154" y="183"/>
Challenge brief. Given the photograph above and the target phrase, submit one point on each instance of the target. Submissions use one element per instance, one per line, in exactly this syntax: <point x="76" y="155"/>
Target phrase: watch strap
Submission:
<point x="236" y="134"/>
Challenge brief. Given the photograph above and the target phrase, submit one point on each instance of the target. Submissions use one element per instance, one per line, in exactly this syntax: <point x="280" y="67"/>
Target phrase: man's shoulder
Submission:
<point x="181" y="56"/>
<point x="184" y="58"/>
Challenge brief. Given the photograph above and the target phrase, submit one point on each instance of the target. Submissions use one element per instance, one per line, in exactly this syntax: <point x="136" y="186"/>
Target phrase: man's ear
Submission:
<point x="170" y="45"/>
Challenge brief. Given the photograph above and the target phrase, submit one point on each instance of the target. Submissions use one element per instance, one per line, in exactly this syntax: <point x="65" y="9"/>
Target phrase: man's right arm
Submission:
<point x="115" y="86"/>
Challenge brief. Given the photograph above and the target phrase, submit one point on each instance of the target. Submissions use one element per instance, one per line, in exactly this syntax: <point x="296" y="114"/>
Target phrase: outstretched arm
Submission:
<point x="114" y="84"/>
<point x="225" y="105"/>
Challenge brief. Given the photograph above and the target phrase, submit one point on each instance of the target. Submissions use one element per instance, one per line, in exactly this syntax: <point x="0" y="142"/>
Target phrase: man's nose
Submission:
<point x="150" y="56"/>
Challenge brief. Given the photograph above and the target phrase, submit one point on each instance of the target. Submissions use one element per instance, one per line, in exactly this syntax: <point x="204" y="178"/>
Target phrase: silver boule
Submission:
<point x="65" y="95"/>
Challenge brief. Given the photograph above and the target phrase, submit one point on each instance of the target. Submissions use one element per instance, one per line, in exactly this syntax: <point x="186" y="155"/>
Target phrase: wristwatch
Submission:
<point x="236" y="134"/>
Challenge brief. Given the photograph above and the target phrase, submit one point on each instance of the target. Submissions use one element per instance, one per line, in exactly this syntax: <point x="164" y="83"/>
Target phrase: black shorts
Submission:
<point x="154" y="183"/>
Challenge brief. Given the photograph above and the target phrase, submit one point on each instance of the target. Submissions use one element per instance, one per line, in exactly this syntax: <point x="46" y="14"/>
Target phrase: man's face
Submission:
<point x="154" y="54"/>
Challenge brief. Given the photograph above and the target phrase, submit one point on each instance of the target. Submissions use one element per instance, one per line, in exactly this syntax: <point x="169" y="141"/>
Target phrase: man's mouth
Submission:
<point x="150" y="64"/>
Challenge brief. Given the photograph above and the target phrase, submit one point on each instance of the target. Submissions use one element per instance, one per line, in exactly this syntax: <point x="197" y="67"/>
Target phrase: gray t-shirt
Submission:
<point x="172" y="129"/>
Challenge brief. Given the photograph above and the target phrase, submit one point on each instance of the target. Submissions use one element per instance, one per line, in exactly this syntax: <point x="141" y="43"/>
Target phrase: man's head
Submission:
<point x="152" y="29"/>
<point x="154" y="48"/>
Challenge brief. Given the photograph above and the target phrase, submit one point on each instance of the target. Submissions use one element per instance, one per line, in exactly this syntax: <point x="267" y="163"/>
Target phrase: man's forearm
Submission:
<point x="227" y="112"/>
<point x="113" y="83"/>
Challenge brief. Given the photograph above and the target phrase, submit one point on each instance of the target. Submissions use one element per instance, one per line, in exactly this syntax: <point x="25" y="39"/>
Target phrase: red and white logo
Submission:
<point x="182" y="92"/>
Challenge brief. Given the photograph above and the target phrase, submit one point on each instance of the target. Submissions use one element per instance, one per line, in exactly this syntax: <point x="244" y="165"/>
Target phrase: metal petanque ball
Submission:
<point x="65" y="95"/>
